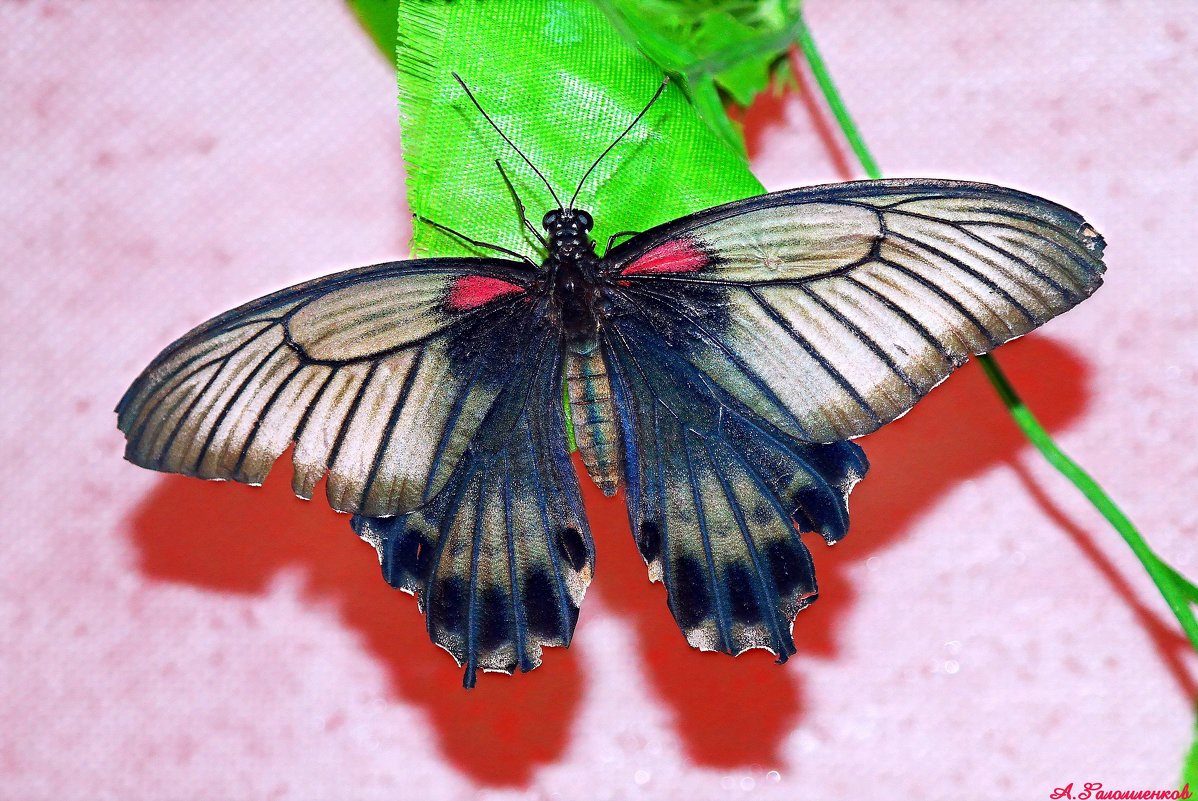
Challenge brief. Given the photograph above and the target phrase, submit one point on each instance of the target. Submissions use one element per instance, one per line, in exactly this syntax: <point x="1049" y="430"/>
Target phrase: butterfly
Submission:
<point x="716" y="369"/>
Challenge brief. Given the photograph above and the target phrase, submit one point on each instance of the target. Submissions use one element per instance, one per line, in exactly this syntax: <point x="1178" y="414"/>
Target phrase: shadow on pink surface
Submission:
<point x="232" y="539"/>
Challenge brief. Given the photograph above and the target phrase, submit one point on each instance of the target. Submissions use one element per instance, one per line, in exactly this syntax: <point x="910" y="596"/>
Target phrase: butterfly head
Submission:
<point x="569" y="231"/>
<point x="567" y="218"/>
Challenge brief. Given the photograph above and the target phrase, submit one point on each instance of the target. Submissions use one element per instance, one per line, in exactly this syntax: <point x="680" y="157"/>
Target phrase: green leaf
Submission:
<point x="733" y="43"/>
<point x="378" y="18"/>
<point x="562" y="82"/>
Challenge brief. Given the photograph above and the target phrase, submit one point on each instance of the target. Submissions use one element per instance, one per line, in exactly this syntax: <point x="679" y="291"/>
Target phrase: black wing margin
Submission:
<point x="500" y="559"/>
<point x="714" y="494"/>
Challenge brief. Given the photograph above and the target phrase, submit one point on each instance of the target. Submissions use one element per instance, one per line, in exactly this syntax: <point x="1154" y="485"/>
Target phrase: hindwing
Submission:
<point x="714" y="493"/>
<point x="500" y="560"/>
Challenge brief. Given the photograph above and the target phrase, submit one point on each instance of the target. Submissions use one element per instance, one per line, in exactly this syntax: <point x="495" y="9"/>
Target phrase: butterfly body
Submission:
<point x="572" y="273"/>
<point x="582" y="302"/>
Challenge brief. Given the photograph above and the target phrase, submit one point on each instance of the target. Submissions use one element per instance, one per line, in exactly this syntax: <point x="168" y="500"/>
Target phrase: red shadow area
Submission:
<point x="733" y="712"/>
<point x="232" y="539"/>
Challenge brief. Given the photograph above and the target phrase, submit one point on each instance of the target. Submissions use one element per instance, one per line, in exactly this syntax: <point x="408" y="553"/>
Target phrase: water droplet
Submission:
<point x="747" y="783"/>
<point x="871" y="563"/>
<point x="774" y="776"/>
<point x="727" y="782"/>
<point x="953" y="647"/>
<point x="641" y="777"/>
<point x="951" y="666"/>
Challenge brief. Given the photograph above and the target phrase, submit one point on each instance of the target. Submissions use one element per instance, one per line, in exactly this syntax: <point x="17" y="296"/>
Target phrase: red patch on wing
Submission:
<point x="473" y="291"/>
<point x="675" y="256"/>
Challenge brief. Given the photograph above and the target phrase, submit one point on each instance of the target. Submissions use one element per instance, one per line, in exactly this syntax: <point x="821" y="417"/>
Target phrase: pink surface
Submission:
<point x="981" y="633"/>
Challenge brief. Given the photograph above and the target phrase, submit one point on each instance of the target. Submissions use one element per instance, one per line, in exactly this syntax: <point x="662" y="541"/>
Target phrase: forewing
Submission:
<point x="501" y="558"/>
<point x="379" y="376"/>
<point x="714" y="493"/>
<point x="832" y="310"/>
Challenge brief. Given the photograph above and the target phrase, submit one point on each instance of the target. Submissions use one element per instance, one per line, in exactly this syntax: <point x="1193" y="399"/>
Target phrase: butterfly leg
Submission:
<point x="616" y="235"/>
<point x="520" y="207"/>
<point x="477" y="243"/>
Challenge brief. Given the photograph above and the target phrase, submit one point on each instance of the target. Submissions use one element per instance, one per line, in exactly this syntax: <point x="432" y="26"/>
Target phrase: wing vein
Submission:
<point x="744" y="369"/>
<point x="765" y="589"/>
<point x="723" y="623"/>
<point x="389" y="429"/>
<point x="902" y="313"/>
<point x="816" y="356"/>
<point x="350" y="414"/>
<point x="262" y="413"/>
<point x="513" y="575"/>
<point x="170" y="440"/>
<point x="472" y="607"/>
<point x="869" y="342"/>
<point x="224" y="412"/>
<point x="559" y="583"/>
<point x="946" y="297"/>
<point x="982" y="278"/>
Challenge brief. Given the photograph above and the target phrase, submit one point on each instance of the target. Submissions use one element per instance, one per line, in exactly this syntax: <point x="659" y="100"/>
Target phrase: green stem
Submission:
<point x="835" y="102"/>
<point x="1176" y="590"/>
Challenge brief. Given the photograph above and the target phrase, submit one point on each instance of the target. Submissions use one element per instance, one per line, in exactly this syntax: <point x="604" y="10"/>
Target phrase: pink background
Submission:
<point x="981" y="633"/>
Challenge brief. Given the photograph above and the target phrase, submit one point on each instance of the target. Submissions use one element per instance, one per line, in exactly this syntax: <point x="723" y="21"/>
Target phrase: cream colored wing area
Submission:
<point x="361" y="320"/>
<point x="372" y="377"/>
<point x="788" y="242"/>
<point x="830" y="318"/>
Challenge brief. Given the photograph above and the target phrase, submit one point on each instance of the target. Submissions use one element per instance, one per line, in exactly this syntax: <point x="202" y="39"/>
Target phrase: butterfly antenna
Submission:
<point x="498" y="130"/>
<point x="631" y="125"/>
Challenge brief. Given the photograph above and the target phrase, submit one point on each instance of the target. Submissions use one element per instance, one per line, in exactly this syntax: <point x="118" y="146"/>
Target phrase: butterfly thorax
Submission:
<point x="578" y="299"/>
<point x="572" y="269"/>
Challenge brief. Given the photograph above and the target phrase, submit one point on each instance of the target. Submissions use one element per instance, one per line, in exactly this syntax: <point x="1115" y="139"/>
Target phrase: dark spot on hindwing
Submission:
<point x="495" y="625"/>
<point x="448" y="609"/>
<point x="405" y="552"/>
<point x="573" y="547"/>
<point x="400" y="560"/>
<point x="540" y="606"/>
<point x="791" y="567"/>
<point x="690" y="594"/>
<point x="740" y="594"/>
<point x="819" y="510"/>
<point x="762" y="514"/>
<point x="648" y="542"/>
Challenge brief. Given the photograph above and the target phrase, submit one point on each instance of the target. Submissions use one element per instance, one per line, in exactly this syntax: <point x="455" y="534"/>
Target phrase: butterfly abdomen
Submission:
<point x="593" y="416"/>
